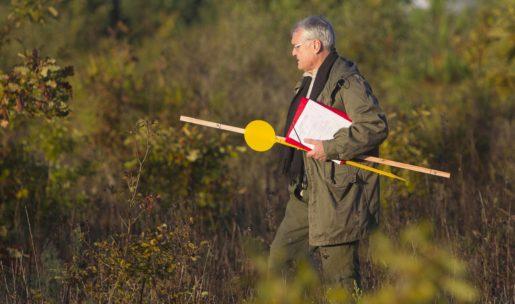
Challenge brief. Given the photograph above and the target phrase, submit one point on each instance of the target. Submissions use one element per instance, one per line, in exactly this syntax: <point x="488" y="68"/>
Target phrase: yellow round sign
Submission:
<point x="259" y="135"/>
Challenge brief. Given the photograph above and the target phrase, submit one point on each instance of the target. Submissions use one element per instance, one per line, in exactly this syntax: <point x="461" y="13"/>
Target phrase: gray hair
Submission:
<point x="317" y="27"/>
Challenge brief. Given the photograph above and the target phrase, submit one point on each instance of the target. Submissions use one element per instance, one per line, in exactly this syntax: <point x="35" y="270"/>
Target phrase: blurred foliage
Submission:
<point x="38" y="86"/>
<point x="420" y="271"/>
<point x="117" y="163"/>
<point x="186" y="163"/>
<point x="305" y="287"/>
<point x="185" y="166"/>
<point x="26" y="10"/>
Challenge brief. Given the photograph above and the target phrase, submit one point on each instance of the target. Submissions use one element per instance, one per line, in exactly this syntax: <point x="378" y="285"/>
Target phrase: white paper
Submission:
<point x="317" y="122"/>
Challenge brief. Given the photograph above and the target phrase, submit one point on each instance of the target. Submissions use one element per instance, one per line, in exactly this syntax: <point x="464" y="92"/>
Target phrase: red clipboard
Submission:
<point x="302" y="105"/>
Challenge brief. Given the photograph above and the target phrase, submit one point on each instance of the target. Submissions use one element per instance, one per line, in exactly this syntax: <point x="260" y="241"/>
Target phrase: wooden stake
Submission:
<point x="404" y="166"/>
<point x="212" y="124"/>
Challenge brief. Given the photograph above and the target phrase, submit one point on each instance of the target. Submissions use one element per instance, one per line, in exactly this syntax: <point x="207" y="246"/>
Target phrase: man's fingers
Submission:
<point x="311" y="153"/>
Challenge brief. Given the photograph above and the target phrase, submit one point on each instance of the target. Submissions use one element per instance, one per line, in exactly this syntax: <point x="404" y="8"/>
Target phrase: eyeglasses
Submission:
<point x="298" y="45"/>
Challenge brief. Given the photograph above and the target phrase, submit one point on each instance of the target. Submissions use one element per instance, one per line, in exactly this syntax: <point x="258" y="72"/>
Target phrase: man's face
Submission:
<point x="303" y="51"/>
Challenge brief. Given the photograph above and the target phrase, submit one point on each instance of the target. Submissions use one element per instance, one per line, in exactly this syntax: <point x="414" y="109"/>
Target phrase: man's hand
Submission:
<point x="318" y="152"/>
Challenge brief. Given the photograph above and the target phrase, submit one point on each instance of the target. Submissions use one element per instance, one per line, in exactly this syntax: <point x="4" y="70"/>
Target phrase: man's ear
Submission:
<point x="317" y="46"/>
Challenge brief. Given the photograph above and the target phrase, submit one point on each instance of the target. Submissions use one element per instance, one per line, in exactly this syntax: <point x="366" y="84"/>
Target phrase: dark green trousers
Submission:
<point x="340" y="263"/>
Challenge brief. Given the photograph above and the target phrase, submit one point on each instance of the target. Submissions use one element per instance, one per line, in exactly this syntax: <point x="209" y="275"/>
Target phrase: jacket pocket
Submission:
<point x="339" y="175"/>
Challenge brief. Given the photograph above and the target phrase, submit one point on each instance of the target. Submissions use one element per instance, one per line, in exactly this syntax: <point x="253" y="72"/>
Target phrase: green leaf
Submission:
<point x="130" y="164"/>
<point x="53" y="11"/>
<point x="14" y="87"/>
<point x="21" y="70"/>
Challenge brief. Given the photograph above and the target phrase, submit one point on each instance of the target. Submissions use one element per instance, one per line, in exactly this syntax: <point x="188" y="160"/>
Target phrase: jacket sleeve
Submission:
<point x="369" y="127"/>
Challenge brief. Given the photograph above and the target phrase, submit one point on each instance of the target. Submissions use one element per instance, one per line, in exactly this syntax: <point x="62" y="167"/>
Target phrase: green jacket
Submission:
<point x="343" y="200"/>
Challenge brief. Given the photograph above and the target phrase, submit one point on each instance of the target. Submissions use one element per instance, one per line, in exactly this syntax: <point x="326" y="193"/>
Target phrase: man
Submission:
<point x="331" y="207"/>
